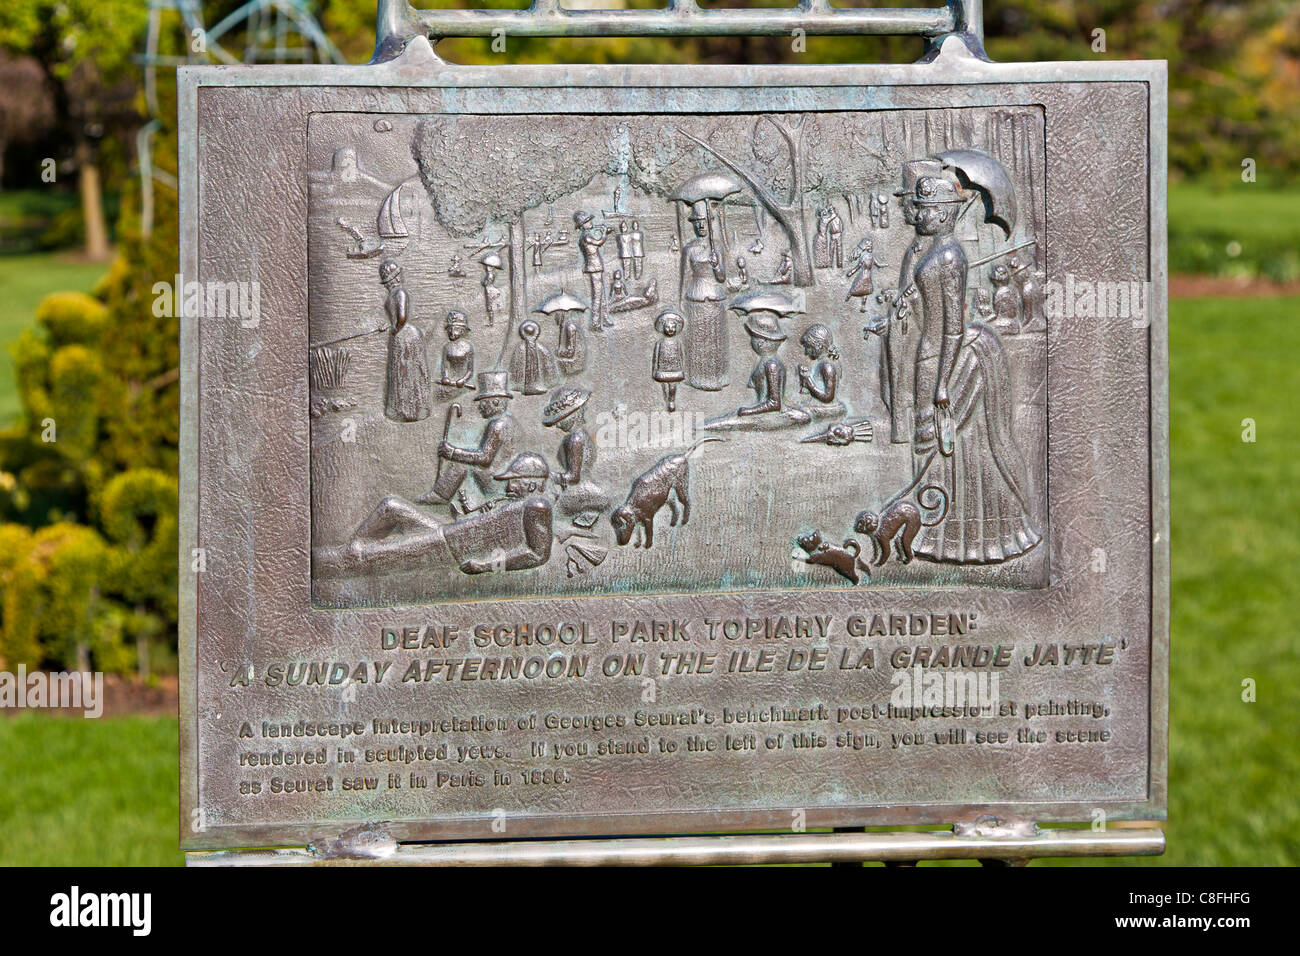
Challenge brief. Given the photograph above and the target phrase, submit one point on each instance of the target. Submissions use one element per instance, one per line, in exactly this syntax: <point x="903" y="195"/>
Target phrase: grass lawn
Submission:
<point x="1260" y="212"/>
<point x="1236" y="547"/>
<point x="88" y="792"/>
<point x="24" y="281"/>
<point x="1245" y="229"/>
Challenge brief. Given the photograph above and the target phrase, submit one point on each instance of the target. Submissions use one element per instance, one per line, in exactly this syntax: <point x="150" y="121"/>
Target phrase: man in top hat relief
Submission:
<point x="902" y="330"/>
<point x="498" y="443"/>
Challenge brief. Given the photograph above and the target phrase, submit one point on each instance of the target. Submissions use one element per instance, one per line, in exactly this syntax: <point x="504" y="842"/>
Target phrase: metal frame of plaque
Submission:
<point x="606" y="451"/>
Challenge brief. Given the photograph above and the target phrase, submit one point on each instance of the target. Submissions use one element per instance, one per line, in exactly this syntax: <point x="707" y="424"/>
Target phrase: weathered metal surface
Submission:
<point x="495" y="543"/>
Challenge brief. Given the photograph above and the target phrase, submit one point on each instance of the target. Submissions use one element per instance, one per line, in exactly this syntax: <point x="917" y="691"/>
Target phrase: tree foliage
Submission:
<point x="87" y="50"/>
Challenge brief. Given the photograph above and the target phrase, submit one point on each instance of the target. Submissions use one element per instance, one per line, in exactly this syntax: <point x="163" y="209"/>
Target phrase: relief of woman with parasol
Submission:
<point x="962" y="439"/>
<point x="703" y="291"/>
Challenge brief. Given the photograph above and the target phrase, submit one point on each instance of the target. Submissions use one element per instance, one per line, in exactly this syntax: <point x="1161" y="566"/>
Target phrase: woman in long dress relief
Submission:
<point x="704" y="300"/>
<point x="821" y="251"/>
<point x="407" y="394"/>
<point x="963" y="441"/>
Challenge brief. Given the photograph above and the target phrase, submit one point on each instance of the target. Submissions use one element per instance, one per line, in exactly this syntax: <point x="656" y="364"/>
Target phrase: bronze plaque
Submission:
<point x="625" y="450"/>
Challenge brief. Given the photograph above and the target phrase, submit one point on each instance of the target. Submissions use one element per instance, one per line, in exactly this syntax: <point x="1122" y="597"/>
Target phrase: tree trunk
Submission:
<point x="518" y="285"/>
<point x="92" y="202"/>
<point x="142" y="645"/>
<point x="803" y="270"/>
<point x="791" y="223"/>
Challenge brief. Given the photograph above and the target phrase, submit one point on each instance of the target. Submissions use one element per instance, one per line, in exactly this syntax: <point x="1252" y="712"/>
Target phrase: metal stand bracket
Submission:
<point x="996" y="845"/>
<point x="399" y="22"/>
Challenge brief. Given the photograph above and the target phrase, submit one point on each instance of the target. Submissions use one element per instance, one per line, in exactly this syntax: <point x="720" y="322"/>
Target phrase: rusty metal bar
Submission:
<point x="723" y="850"/>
